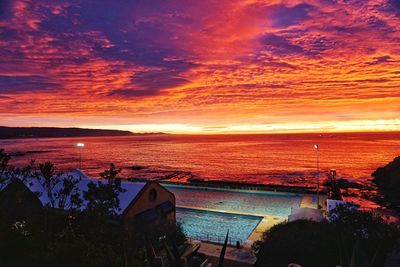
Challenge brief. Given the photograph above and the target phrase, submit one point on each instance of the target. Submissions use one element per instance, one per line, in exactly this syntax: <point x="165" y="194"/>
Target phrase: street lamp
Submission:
<point x="316" y="147"/>
<point x="80" y="146"/>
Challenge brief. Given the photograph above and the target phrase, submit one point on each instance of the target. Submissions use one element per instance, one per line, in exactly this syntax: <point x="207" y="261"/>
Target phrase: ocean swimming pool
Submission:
<point x="212" y="226"/>
<point x="241" y="201"/>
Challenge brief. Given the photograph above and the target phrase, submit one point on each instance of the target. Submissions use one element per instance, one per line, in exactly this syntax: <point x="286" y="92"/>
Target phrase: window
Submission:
<point x="152" y="194"/>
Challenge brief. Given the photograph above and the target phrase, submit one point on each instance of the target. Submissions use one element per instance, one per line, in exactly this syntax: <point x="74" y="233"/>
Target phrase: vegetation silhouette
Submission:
<point x="388" y="180"/>
<point x="350" y="238"/>
<point x="66" y="233"/>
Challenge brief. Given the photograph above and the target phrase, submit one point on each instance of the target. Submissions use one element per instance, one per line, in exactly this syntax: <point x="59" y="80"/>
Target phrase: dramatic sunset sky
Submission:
<point x="202" y="65"/>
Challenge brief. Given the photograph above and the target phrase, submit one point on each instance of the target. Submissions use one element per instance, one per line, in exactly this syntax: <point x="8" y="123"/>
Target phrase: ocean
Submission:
<point x="256" y="158"/>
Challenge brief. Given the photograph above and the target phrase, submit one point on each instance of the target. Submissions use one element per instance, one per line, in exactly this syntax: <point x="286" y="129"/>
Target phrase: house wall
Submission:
<point x="144" y="202"/>
<point x="139" y="234"/>
<point x="17" y="201"/>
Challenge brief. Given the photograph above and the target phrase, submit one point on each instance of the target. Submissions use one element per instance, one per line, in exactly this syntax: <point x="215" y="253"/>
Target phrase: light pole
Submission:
<point x="316" y="151"/>
<point x="80" y="146"/>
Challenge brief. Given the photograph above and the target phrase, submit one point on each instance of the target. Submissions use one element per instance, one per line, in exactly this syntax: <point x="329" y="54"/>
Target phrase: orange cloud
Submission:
<point x="225" y="65"/>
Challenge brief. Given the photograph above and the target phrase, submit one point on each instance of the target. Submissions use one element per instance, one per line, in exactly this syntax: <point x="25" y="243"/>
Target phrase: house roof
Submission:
<point x="18" y="201"/>
<point x="132" y="189"/>
<point x="306" y="214"/>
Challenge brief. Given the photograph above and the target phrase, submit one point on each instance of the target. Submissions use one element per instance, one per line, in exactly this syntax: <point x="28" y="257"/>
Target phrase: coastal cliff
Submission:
<point x="37" y="132"/>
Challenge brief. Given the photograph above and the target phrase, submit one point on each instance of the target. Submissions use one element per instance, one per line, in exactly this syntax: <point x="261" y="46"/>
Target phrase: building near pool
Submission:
<point x="144" y="208"/>
<point x="18" y="201"/>
<point x="141" y="205"/>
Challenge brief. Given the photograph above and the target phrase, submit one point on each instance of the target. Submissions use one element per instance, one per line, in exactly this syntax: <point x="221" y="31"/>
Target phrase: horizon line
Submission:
<point x="226" y="131"/>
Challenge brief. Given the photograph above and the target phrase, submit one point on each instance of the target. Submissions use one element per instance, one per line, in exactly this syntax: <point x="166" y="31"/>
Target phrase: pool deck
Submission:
<point x="233" y="257"/>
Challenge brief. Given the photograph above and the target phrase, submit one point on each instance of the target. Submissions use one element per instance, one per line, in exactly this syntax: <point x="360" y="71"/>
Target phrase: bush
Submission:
<point x="351" y="238"/>
<point x="388" y="180"/>
<point x="305" y="242"/>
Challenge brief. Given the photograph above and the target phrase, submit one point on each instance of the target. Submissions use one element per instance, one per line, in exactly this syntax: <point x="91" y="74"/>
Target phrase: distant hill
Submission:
<point x="36" y="132"/>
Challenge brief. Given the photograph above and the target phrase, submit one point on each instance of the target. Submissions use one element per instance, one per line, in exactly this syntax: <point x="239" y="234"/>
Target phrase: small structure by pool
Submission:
<point x="306" y="214"/>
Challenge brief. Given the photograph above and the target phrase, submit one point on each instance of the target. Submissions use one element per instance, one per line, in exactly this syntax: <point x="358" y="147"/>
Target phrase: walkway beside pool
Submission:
<point x="233" y="257"/>
<point x="263" y="226"/>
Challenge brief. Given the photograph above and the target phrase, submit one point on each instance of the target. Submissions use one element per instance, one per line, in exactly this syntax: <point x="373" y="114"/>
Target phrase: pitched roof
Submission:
<point x="125" y="198"/>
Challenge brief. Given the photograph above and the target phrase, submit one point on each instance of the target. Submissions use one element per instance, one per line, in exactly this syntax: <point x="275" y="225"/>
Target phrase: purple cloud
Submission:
<point x="395" y="6"/>
<point x="22" y="84"/>
<point x="150" y="83"/>
<point x="284" y="16"/>
<point x="280" y="45"/>
<point x="379" y="60"/>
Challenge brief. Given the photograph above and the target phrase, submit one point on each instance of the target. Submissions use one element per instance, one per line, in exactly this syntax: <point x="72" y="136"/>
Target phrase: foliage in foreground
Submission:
<point x="352" y="238"/>
<point x="67" y="233"/>
<point x="388" y="180"/>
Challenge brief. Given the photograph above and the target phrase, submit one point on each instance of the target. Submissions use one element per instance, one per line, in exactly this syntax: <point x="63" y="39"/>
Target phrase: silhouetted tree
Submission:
<point x="363" y="238"/>
<point x="388" y="180"/>
<point x="48" y="179"/>
<point x="5" y="168"/>
<point x="351" y="238"/>
<point x="102" y="196"/>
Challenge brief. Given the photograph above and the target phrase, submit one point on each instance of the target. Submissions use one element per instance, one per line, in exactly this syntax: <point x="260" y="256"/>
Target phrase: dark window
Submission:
<point x="152" y="194"/>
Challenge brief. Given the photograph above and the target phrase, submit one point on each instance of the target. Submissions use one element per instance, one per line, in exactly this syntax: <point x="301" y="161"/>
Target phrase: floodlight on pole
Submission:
<point x="80" y="146"/>
<point x="316" y="147"/>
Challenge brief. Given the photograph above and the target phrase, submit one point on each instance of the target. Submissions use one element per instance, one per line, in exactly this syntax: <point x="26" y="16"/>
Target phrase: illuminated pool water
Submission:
<point x="250" y="202"/>
<point x="212" y="226"/>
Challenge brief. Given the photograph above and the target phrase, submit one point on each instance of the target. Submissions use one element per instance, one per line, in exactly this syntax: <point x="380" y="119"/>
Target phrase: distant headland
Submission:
<point x="43" y="132"/>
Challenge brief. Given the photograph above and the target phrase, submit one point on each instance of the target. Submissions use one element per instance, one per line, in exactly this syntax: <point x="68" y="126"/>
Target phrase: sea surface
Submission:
<point x="266" y="158"/>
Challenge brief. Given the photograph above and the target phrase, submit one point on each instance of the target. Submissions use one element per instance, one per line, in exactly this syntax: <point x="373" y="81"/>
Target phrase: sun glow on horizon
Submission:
<point x="337" y="126"/>
<point x="264" y="66"/>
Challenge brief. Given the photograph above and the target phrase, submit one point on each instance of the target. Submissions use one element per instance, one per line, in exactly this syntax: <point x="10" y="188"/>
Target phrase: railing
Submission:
<point x="214" y="238"/>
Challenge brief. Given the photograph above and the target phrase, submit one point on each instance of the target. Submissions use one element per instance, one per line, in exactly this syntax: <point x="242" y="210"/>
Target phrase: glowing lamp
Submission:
<point x="316" y="150"/>
<point x="80" y="145"/>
